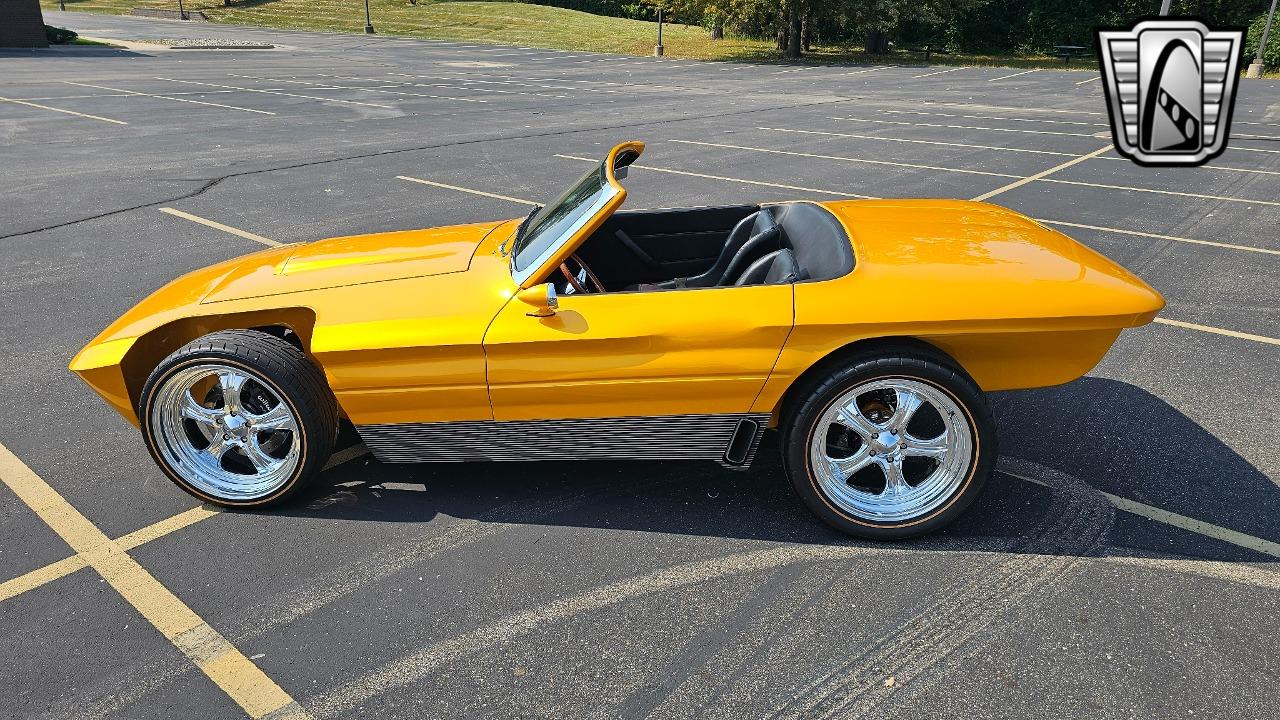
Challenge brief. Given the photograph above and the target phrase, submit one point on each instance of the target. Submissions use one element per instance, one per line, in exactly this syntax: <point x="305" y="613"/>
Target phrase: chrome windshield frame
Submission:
<point x="609" y="192"/>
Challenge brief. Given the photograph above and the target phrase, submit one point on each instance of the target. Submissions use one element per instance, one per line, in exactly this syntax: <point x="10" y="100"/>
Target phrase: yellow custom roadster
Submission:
<point x="865" y="332"/>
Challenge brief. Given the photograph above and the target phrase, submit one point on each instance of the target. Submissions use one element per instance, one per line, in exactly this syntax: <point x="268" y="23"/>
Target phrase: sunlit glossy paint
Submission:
<point x="421" y="326"/>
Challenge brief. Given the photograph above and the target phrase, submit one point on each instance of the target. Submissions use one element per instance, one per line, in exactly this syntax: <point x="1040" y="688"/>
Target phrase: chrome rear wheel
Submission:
<point x="891" y="450"/>
<point x="890" y="442"/>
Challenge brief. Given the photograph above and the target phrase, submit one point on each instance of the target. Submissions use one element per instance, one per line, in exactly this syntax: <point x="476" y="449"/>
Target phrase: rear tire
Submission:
<point x="890" y="447"/>
<point x="238" y="418"/>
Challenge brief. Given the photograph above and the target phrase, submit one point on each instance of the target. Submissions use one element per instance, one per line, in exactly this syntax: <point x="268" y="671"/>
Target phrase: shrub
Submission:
<point x="1271" y="57"/>
<point x="58" y="36"/>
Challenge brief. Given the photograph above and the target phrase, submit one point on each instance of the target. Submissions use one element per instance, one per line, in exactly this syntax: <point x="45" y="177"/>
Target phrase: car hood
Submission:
<point x="351" y="260"/>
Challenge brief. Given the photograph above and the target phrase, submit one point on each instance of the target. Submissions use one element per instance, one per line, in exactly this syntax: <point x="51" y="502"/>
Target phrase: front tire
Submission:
<point x="238" y="418"/>
<point x="890" y="447"/>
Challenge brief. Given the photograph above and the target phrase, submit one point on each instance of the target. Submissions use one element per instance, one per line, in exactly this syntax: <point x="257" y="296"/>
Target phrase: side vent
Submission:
<point x="743" y="443"/>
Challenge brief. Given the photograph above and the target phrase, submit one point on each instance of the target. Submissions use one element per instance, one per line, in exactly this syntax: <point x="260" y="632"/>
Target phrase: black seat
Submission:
<point x="754" y="235"/>
<point x="775" y="268"/>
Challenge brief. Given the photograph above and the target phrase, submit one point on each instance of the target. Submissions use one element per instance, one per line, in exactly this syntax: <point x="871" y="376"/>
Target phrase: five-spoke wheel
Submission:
<point x="890" y="447"/>
<point x="238" y="417"/>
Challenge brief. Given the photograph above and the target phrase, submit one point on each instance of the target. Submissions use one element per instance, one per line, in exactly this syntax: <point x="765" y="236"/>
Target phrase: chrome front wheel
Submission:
<point x="238" y="418"/>
<point x="226" y="430"/>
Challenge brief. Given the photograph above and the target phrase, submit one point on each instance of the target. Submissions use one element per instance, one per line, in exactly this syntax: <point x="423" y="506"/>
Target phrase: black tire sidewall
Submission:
<point x="311" y="458"/>
<point x="947" y="379"/>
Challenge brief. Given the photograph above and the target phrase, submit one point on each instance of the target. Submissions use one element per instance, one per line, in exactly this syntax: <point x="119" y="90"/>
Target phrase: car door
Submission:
<point x="686" y="353"/>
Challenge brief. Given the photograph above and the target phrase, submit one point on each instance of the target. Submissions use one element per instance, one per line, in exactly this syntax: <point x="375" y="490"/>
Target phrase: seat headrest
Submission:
<point x="776" y="268"/>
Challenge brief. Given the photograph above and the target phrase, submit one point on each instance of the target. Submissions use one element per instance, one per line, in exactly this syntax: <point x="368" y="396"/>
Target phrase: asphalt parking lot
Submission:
<point x="1122" y="563"/>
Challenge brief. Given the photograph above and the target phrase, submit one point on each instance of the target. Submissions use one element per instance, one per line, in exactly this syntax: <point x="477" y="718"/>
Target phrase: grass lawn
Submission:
<point x="521" y="24"/>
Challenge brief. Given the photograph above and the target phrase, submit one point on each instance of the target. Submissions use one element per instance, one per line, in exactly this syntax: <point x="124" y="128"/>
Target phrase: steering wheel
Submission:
<point x="580" y="281"/>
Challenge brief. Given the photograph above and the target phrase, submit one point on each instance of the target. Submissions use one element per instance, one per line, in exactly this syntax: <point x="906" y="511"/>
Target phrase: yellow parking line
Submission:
<point x="1157" y="236"/>
<point x="1220" y="331"/>
<point x="847" y="159"/>
<point x="1042" y="174"/>
<point x="239" y="678"/>
<point x="41" y="576"/>
<point x="167" y="97"/>
<point x="1190" y="524"/>
<point x="66" y="566"/>
<point x="732" y="179"/>
<point x="68" y="112"/>
<point x="466" y="190"/>
<point x="219" y="226"/>
<point x="154" y="531"/>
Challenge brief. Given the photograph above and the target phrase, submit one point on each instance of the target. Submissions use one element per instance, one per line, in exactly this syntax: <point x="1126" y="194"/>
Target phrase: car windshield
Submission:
<point x="554" y="224"/>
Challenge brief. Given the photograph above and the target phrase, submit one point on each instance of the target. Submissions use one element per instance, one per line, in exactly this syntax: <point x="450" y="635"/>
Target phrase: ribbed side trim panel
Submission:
<point x="667" y="437"/>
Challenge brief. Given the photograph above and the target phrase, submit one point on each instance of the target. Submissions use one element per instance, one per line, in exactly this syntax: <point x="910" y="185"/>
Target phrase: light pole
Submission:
<point x="368" y="22"/>
<point x="62" y="5"/>
<point x="1164" y="7"/>
<point x="182" y="12"/>
<point x="657" y="50"/>
<point x="1255" y="67"/>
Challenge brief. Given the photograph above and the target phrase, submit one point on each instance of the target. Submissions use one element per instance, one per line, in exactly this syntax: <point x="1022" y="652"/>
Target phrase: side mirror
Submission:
<point x="542" y="298"/>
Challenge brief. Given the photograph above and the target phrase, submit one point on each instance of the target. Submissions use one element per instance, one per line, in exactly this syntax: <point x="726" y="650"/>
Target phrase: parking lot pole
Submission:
<point x="657" y="50"/>
<point x="182" y="12"/>
<point x="1255" y="67"/>
<point x="368" y="22"/>
<point x="1164" y="7"/>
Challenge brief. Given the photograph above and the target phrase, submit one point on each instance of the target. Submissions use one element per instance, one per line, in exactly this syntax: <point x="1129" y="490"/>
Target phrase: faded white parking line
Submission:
<point x="466" y="190"/>
<point x="849" y="159"/>
<point x="1095" y="77"/>
<point x="1175" y="193"/>
<point x="277" y="92"/>
<point x="219" y="226"/>
<point x="940" y="72"/>
<point x="920" y="142"/>
<point x="732" y="179"/>
<point x="477" y="81"/>
<point x="994" y="117"/>
<point x="1006" y="77"/>
<point x="1157" y="236"/>
<point x="872" y="69"/>
<point x="1182" y="522"/>
<point x="60" y="110"/>
<point x="331" y="86"/>
<point x="1042" y="174"/>
<point x="167" y="97"/>
<point x="406" y="83"/>
<point x="964" y="127"/>
<point x="1220" y="331"/>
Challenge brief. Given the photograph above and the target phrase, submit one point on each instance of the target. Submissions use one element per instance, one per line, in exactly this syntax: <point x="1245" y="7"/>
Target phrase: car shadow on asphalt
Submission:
<point x="1073" y="441"/>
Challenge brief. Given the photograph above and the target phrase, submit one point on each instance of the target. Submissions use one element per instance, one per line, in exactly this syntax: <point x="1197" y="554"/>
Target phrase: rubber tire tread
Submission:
<point x="293" y="373"/>
<point x="914" y="363"/>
